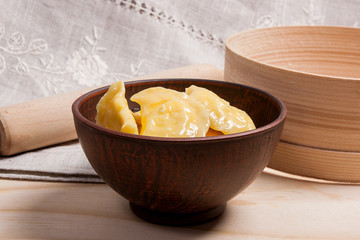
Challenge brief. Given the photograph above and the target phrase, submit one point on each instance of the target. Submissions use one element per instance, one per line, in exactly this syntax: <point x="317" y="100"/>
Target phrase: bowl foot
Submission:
<point x="177" y="219"/>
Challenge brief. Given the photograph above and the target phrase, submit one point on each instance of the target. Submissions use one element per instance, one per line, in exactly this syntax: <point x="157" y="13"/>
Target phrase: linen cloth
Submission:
<point x="50" y="46"/>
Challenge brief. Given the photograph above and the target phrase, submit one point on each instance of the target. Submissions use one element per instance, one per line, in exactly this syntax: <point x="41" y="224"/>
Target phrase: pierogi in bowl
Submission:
<point x="165" y="112"/>
<point x="168" y="147"/>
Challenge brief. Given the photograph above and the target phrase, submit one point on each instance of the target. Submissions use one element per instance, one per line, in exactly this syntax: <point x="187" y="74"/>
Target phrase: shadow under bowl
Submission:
<point x="181" y="181"/>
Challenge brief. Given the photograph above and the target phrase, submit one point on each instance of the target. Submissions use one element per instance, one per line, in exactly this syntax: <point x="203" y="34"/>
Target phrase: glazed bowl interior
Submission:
<point x="190" y="179"/>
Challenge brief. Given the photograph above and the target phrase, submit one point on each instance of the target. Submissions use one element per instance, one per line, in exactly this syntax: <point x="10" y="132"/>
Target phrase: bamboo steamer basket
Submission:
<point x="315" y="70"/>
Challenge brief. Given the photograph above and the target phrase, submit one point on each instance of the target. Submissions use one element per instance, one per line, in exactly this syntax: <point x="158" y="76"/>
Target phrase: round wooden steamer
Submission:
<point x="334" y="166"/>
<point x="315" y="70"/>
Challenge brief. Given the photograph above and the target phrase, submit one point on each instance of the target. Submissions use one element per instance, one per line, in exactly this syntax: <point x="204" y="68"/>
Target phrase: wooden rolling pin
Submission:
<point x="48" y="121"/>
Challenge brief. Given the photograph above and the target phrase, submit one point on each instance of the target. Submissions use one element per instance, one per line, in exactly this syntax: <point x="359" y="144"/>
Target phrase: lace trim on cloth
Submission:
<point x="143" y="8"/>
<point x="85" y="66"/>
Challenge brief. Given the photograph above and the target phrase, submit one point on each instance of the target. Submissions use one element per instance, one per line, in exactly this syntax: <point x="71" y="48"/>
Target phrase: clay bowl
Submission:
<point x="181" y="181"/>
<point x="315" y="71"/>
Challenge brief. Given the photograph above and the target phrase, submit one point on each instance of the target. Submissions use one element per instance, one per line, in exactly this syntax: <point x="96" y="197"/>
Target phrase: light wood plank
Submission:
<point x="272" y="207"/>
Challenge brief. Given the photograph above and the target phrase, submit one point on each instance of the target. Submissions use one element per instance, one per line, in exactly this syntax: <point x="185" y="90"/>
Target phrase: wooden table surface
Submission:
<point x="273" y="207"/>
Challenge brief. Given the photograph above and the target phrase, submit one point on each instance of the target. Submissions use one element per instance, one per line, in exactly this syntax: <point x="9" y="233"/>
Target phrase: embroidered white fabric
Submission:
<point x="49" y="47"/>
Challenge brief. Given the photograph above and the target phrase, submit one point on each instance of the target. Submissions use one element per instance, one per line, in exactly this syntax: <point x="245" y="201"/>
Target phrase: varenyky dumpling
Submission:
<point x="223" y="117"/>
<point x="169" y="113"/>
<point x="113" y="111"/>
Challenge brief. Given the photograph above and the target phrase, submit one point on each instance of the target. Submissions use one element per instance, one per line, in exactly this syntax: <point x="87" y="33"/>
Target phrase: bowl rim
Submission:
<point x="281" y="118"/>
<point x="271" y="66"/>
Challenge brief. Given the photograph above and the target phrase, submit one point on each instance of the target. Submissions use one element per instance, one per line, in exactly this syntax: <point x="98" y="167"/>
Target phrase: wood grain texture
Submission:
<point x="317" y="163"/>
<point x="44" y="122"/>
<point x="271" y="208"/>
<point x="314" y="70"/>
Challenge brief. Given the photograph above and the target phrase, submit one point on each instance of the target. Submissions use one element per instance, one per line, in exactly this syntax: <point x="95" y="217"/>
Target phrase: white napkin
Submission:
<point x="50" y="46"/>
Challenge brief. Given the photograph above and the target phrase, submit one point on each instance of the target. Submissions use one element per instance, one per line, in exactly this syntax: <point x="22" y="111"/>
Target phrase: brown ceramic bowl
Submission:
<point x="181" y="181"/>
